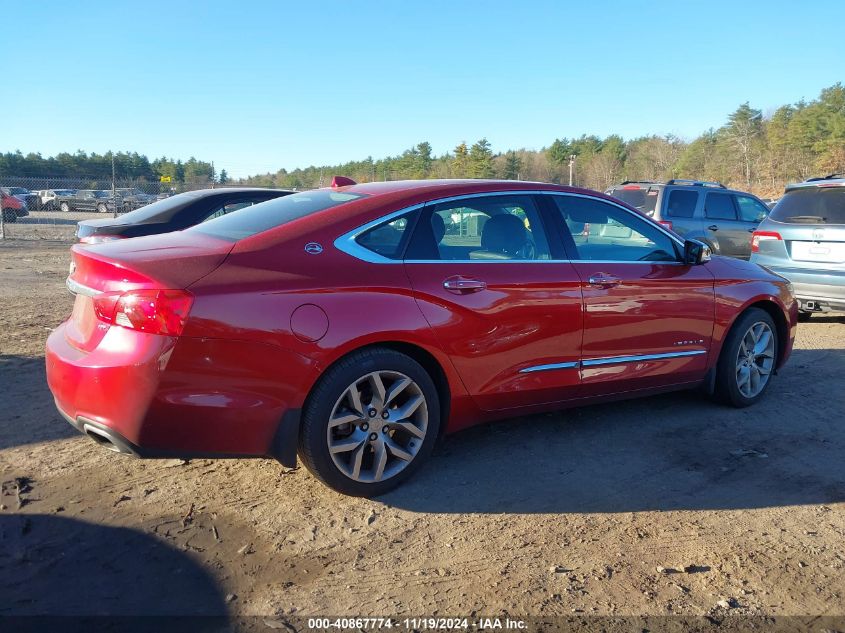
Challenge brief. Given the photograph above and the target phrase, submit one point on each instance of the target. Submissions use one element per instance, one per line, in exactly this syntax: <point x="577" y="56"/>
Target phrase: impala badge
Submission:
<point x="313" y="248"/>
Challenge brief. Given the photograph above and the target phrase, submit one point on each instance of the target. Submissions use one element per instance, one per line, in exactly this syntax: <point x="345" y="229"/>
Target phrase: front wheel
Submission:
<point x="748" y="359"/>
<point x="370" y="422"/>
<point x="101" y="208"/>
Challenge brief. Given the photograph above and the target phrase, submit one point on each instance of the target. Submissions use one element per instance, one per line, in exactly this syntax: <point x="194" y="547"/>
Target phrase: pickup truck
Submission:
<point x="86" y="200"/>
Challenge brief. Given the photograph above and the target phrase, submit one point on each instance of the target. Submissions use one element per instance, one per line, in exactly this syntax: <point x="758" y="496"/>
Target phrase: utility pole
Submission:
<point x="113" y="186"/>
<point x="571" y="167"/>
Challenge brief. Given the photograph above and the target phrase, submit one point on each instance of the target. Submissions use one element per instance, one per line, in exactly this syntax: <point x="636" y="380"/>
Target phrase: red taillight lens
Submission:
<point x="759" y="236"/>
<point x="152" y="311"/>
<point x="665" y="223"/>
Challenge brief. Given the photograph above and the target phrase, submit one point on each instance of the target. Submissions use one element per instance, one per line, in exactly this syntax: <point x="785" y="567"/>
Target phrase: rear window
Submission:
<point x="643" y="199"/>
<point x="264" y="216"/>
<point x="811" y="205"/>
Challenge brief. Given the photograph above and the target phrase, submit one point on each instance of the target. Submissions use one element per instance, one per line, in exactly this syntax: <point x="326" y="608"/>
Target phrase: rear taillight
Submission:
<point x="665" y="223"/>
<point x="760" y="236"/>
<point x="99" y="239"/>
<point x="151" y="311"/>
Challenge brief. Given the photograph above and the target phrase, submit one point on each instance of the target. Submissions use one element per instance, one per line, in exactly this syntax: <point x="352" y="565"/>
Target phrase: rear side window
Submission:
<point x="719" y="206"/>
<point x="682" y="203"/>
<point x="811" y="205"/>
<point x="387" y="239"/>
<point x="751" y="210"/>
<point x="273" y="213"/>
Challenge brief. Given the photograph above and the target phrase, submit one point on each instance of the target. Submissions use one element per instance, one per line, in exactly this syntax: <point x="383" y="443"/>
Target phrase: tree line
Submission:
<point x="750" y="151"/>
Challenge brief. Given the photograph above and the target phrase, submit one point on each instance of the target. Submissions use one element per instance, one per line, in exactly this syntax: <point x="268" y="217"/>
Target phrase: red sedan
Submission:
<point x="354" y="325"/>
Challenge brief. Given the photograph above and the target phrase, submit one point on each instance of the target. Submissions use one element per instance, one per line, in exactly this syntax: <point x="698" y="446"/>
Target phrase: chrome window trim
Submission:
<point x="346" y="243"/>
<point x="550" y="366"/>
<point x="77" y="288"/>
<point x="614" y="360"/>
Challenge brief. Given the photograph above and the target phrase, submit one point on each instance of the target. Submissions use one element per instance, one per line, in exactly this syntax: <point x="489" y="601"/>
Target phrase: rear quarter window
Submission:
<point x="267" y="215"/>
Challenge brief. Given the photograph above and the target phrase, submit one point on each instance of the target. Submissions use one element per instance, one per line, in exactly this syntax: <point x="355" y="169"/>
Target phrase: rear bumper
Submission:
<point x="155" y="396"/>
<point x="825" y="288"/>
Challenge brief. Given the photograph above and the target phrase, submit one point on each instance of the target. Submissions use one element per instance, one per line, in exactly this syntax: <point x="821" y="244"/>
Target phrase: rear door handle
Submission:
<point x="604" y="281"/>
<point x="463" y="285"/>
<point x="713" y="227"/>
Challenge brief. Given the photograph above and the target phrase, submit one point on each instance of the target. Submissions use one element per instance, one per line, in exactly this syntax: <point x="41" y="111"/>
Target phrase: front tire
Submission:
<point x="748" y="359"/>
<point x="101" y="208"/>
<point x="370" y="422"/>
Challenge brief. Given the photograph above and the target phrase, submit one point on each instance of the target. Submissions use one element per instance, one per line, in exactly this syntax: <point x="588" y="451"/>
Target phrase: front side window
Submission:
<point x="751" y="210"/>
<point x="387" y="239"/>
<point x="482" y="228"/>
<point x="682" y="203"/>
<point x="719" y="206"/>
<point x="599" y="231"/>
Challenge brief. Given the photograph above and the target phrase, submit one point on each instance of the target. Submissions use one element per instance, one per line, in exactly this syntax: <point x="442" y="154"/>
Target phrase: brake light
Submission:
<point x="760" y="236"/>
<point x="632" y="187"/>
<point x="153" y="311"/>
<point x="665" y="223"/>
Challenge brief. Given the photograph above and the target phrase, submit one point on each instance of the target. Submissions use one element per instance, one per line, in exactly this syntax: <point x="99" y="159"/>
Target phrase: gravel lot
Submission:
<point x="665" y="505"/>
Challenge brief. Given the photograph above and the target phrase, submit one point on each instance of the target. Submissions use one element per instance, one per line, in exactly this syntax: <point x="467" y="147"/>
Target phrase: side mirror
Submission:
<point x="696" y="252"/>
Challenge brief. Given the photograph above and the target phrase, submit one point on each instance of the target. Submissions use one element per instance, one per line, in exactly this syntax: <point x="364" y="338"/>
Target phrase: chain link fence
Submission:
<point x="49" y="208"/>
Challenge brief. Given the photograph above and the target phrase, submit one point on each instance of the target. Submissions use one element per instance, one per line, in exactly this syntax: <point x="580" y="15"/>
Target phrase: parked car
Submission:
<point x="23" y="194"/>
<point x="346" y="323"/>
<point x="134" y="198"/>
<point x="86" y="200"/>
<point x="12" y="207"/>
<point x="721" y="218"/>
<point x="174" y="214"/>
<point x="47" y="197"/>
<point x="803" y="239"/>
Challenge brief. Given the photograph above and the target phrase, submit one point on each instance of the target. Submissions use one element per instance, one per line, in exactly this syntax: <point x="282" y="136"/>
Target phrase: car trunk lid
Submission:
<point x="170" y="261"/>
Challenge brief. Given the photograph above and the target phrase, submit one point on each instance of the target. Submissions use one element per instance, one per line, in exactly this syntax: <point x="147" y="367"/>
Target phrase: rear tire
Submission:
<point x="64" y="207"/>
<point x="10" y="216"/>
<point x="803" y="317"/>
<point x="391" y="419"/>
<point x="748" y="358"/>
<point x="101" y="208"/>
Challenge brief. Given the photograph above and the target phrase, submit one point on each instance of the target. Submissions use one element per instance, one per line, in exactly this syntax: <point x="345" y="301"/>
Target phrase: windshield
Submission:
<point x="643" y="199"/>
<point x="266" y="215"/>
<point x="16" y="191"/>
<point x="811" y="205"/>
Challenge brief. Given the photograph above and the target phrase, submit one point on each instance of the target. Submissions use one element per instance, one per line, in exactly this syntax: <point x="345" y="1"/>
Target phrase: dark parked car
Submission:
<point x="174" y="214"/>
<point x="348" y="325"/>
<point x="720" y="217"/>
<point x="134" y="198"/>
<point x="86" y="200"/>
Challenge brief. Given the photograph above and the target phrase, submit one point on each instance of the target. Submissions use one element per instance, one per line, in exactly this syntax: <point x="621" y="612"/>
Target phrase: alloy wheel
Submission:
<point x="755" y="359"/>
<point x="377" y="426"/>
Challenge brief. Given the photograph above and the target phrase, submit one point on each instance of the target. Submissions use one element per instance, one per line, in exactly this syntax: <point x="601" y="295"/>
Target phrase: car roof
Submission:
<point x="816" y="182"/>
<point x="202" y="193"/>
<point x="446" y="187"/>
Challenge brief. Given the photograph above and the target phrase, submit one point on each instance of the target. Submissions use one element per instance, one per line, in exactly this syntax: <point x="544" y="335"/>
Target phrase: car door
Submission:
<point x="506" y="311"/>
<point x="648" y="317"/>
<point x="751" y="212"/>
<point x="722" y="225"/>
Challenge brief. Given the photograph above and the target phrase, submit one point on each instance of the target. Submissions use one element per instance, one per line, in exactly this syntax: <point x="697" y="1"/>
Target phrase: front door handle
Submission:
<point x="603" y="280"/>
<point x="713" y="227"/>
<point x="463" y="285"/>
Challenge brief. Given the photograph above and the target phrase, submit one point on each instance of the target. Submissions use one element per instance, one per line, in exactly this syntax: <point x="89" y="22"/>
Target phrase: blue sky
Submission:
<point x="256" y="86"/>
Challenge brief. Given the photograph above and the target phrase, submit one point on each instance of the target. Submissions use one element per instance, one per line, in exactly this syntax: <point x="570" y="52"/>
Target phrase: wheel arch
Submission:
<point x="429" y="362"/>
<point x="774" y="310"/>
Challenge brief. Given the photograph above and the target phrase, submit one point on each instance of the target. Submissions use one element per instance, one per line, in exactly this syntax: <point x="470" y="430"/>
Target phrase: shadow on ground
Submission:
<point x="674" y="452"/>
<point x="28" y="414"/>
<point x="53" y="566"/>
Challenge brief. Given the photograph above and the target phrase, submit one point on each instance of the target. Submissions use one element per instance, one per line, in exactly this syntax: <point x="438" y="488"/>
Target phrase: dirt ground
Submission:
<point x="665" y="505"/>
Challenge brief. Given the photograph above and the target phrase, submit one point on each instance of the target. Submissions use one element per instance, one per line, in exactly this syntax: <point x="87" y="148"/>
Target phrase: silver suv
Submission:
<point x="803" y="239"/>
<point x="706" y="211"/>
